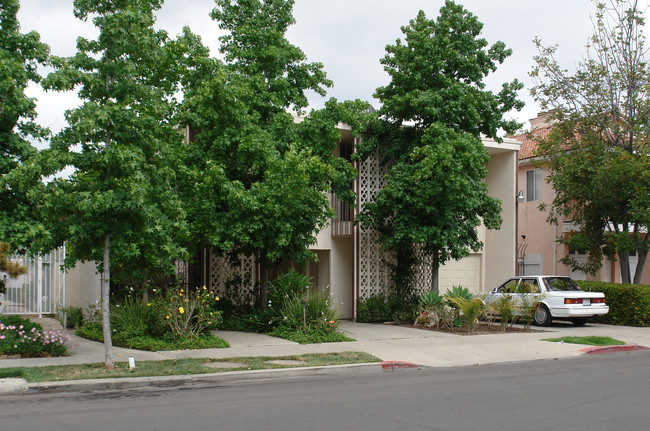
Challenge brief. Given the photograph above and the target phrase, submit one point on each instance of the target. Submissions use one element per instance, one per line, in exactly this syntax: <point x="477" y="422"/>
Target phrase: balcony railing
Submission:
<point x="342" y="221"/>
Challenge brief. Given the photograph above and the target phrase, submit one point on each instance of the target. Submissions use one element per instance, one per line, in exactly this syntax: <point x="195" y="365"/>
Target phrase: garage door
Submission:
<point x="465" y="272"/>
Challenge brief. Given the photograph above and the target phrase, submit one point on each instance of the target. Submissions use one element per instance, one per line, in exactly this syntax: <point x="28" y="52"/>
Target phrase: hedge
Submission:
<point x="629" y="304"/>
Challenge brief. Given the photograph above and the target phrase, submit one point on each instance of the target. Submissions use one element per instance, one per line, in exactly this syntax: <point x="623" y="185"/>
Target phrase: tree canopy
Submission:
<point x="434" y="111"/>
<point x="20" y="55"/>
<point x="599" y="149"/>
<point x="261" y="170"/>
<point x="119" y="206"/>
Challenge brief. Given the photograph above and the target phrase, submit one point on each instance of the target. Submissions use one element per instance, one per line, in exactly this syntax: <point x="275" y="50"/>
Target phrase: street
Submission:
<point x="593" y="393"/>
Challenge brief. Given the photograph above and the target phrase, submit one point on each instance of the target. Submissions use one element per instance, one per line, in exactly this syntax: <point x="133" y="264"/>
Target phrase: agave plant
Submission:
<point x="431" y="299"/>
<point x="458" y="292"/>
<point x="433" y="312"/>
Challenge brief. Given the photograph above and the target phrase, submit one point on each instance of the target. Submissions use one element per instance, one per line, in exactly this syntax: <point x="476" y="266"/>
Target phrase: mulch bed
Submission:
<point x="481" y="328"/>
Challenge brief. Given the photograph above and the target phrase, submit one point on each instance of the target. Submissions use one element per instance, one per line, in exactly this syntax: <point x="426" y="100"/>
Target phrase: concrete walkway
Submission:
<point x="387" y="342"/>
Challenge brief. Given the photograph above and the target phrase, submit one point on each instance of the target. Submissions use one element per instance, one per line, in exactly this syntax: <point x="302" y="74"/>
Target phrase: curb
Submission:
<point x="19" y="386"/>
<point x="393" y="365"/>
<point x="612" y="349"/>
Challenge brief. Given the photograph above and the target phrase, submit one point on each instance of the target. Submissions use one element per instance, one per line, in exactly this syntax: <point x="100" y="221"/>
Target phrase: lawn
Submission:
<point x="592" y="340"/>
<point x="182" y="366"/>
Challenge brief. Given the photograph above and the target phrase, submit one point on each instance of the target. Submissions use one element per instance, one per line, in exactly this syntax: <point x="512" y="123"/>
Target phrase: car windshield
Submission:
<point x="560" y="284"/>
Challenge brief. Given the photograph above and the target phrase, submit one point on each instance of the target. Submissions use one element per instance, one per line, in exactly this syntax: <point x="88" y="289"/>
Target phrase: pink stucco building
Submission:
<point x="538" y="252"/>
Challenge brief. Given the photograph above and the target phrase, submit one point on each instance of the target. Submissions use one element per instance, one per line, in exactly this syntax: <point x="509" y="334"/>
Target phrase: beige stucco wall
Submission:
<point x="342" y="276"/>
<point x="499" y="256"/>
<point x="83" y="285"/>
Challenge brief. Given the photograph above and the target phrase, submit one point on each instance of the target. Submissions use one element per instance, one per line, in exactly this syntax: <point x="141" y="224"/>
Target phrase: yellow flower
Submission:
<point x="167" y="317"/>
<point x="205" y="288"/>
<point x="181" y="310"/>
<point x="148" y="304"/>
<point x="216" y="299"/>
<point x="154" y="291"/>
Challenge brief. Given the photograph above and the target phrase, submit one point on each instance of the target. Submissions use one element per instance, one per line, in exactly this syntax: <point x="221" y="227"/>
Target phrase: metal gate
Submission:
<point x="41" y="290"/>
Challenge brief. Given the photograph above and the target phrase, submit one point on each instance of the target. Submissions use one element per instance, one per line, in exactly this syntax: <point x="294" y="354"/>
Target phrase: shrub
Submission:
<point x="629" y="304"/>
<point x="527" y="308"/>
<point x="91" y="331"/>
<point x="71" y="317"/>
<point x="135" y="318"/>
<point x="313" y="310"/>
<point x="471" y="310"/>
<point x="382" y="307"/>
<point x="505" y="307"/>
<point x="20" y="336"/>
<point x="249" y="319"/>
<point x="374" y="308"/>
<point x="286" y="286"/>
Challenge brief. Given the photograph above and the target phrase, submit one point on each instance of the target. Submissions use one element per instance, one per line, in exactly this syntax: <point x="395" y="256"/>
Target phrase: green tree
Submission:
<point x="434" y="110"/>
<point x="118" y="207"/>
<point x="262" y="176"/>
<point x="599" y="150"/>
<point x="20" y="55"/>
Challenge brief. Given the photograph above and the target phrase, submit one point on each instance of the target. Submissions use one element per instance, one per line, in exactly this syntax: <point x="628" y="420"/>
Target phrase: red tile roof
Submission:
<point x="528" y="141"/>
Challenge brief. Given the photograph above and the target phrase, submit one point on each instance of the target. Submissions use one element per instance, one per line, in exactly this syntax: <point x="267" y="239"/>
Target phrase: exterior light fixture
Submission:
<point x="520" y="196"/>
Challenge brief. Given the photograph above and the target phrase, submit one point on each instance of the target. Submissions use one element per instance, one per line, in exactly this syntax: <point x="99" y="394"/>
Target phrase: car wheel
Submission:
<point x="543" y="316"/>
<point x="578" y="322"/>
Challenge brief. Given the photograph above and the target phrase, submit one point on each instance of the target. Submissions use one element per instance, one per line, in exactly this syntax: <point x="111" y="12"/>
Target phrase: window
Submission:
<point x="528" y="285"/>
<point x="508" y="287"/>
<point x="534" y="185"/>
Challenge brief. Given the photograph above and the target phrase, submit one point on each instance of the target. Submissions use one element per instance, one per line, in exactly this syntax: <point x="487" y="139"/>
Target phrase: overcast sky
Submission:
<point x="347" y="36"/>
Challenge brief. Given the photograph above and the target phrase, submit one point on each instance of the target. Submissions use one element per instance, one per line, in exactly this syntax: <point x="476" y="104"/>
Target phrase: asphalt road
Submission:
<point x="606" y="392"/>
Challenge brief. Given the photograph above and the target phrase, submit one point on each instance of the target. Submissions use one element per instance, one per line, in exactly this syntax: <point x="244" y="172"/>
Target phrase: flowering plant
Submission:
<point x="23" y="337"/>
<point x="191" y="312"/>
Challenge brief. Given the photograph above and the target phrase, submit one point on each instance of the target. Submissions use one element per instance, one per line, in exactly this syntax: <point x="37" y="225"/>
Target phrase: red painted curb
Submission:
<point x="392" y="365"/>
<point x="613" y="349"/>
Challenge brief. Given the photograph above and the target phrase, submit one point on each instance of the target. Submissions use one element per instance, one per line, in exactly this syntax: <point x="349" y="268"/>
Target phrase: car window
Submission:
<point x="508" y="287"/>
<point x="528" y="285"/>
<point x="560" y="284"/>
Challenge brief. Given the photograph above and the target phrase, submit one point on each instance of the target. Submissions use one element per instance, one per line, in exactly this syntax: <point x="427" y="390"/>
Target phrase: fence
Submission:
<point x="41" y="289"/>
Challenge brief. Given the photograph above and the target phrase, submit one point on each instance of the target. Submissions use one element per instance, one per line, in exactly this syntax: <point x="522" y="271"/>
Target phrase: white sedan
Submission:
<point x="560" y="298"/>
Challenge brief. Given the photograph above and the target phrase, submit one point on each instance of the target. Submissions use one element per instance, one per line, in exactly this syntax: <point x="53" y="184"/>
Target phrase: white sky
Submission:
<point x="347" y="36"/>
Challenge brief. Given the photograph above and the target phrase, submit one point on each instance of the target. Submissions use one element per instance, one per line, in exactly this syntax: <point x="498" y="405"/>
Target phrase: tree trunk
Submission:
<point x="624" y="264"/>
<point x="639" y="267"/>
<point x="106" y="290"/>
<point x="435" y="266"/>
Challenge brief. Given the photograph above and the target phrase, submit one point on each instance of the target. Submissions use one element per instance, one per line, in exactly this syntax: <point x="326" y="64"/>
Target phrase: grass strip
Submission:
<point x="592" y="340"/>
<point x="173" y="367"/>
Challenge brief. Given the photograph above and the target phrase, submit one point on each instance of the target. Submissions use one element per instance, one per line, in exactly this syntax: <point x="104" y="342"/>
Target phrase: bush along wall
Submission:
<point x="629" y="304"/>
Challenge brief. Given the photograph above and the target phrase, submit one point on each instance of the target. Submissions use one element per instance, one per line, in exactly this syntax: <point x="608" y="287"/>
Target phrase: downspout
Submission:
<point x="355" y="241"/>
<point x="555" y="243"/>
<point x="517" y="163"/>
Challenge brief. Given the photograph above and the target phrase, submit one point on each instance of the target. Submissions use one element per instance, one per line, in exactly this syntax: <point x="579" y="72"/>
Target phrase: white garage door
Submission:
<point x="465" y="272"/>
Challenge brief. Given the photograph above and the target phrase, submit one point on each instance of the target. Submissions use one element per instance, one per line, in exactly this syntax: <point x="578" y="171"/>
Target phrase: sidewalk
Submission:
<point x="388" y="342"/>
